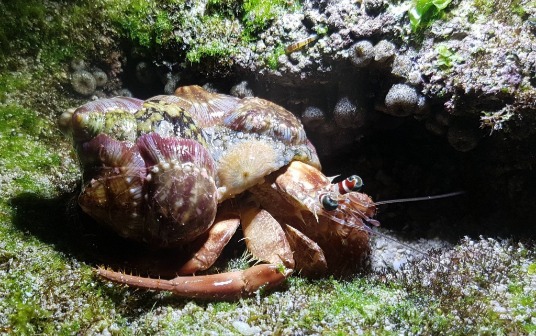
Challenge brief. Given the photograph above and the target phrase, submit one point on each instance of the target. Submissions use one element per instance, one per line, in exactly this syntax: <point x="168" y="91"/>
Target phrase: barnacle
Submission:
<point x="100" y="77"/>
<point x="384" y="51"/>
<point x="362" y="53"/>
<point x="83" y="82"/>
<point x="347" y="114"/>
<point x="241" y="90"/>
<point x="313" y="116"/>
<point x="401" y="100"/>
<point x="78" y="64"/>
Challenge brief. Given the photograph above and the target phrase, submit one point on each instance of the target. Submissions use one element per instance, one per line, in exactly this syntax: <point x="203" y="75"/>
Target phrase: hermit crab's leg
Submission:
<point x="230" y="285"/>
<point x="265" y="238"/>
<point x="224" y="227"/>
<point x="309" y="257"/>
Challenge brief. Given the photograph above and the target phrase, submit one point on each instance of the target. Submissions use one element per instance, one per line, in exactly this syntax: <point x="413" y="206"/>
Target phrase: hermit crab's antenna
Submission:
<point x="416" y="199"/>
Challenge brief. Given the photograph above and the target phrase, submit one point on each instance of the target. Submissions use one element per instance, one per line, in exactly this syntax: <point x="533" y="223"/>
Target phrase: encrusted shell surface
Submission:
<point x="155" y="170"/>
<point x="182" y="198"/>
<point x="158" y="190"/>
<point x="114" y="175"/>
<point x="167" y="119"/>
<point x="112" y="116"/>
<point x="208" y="108"/>
<point x="256" y="115"/>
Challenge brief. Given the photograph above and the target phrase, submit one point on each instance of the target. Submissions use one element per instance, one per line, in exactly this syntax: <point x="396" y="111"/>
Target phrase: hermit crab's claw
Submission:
<point x="227" y="286"/>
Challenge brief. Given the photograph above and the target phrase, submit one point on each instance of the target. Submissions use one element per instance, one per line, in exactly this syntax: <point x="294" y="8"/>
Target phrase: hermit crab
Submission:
<point x="188" y="169"/>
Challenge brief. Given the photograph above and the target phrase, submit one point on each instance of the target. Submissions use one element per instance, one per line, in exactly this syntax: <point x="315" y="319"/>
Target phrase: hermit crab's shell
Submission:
<point x="112" y="116"/>
<point x="259" y="116"/>
<point x="162" y="115"/>
<point x="181" y="192"/>
<point x="147" y="173"/>
<point x="158" y="190"/>
<point x="248" y="138"/>
<point x="114" y="176"/>
<point x="208" y="108"/>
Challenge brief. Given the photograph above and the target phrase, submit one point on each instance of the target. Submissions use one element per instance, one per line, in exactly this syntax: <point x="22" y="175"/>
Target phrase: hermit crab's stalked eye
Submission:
<point x="352" y="183"/>
<point x="328" y="203"/>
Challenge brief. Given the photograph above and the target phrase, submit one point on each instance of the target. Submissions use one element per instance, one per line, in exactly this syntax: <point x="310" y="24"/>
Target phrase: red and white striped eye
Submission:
<point x="352" y="183"/>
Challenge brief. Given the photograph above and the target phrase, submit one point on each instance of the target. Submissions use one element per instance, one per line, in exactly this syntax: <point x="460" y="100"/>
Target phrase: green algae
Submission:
<point x="142" y="22"/>
<point x="258" y="14"/>
<point x="44" y="291"/>
<point x="45" y="29"/>
<point x="272" y="60"/>
<point x="423" y="12"/>
<point x="218" y="31"/>
<point x="447" y="58"/>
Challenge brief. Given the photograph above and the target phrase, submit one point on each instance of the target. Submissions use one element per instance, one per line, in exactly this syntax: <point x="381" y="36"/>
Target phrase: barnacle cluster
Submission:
<point x="363" y="52"/>
<point x="86" y="80"/>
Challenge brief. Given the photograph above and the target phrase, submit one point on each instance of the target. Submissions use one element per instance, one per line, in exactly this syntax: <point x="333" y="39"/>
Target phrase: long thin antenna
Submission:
<point x="416" y="199"/>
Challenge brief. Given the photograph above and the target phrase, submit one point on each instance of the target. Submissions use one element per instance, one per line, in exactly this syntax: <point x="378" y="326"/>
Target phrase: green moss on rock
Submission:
<point x="259" y="13"/>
